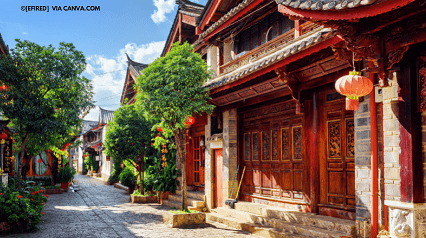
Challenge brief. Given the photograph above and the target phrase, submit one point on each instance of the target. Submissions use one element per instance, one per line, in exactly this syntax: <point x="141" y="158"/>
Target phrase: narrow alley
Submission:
<point x="99" y="210"/>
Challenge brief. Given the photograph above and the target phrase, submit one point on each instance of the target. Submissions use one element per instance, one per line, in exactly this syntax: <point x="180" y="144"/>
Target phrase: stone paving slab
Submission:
<point x="99" y="210"/>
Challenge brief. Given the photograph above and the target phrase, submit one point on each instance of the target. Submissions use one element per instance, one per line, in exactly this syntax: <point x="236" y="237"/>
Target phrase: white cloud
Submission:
<point x="108" y="74"/>
<point x="24" y="33"/>
<point x="163" y="7"/>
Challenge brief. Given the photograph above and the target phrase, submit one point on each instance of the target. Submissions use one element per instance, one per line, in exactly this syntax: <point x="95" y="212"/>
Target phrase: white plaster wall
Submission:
<point x="213" y="59"/>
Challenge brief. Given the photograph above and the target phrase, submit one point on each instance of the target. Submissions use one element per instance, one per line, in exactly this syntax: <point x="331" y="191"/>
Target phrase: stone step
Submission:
<point x="178" y="205"/>
<point x="298" y="217"/>
<point x="194" y="202"/>
<point x="245" y="226"/>
<point x="270" y="227"/>
<point x="193" y="194"/>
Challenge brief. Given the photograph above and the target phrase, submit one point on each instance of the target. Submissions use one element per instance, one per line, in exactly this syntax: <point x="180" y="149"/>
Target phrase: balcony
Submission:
<point x="267" y="48"/>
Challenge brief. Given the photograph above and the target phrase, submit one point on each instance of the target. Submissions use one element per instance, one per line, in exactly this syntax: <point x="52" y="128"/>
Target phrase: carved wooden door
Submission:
<point x="272" y="152"/>
<point x="338" y="159"/>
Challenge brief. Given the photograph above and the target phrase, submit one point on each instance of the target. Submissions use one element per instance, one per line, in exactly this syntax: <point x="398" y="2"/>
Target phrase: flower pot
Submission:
<point x="143" y="199"/>
<point x="64" y="185"/>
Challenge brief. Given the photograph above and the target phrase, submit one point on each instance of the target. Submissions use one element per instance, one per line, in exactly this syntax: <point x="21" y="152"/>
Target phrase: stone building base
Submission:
<point x="406" y="219"/>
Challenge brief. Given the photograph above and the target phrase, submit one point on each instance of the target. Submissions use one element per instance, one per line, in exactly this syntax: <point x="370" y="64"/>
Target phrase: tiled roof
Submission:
<point x="105" y="115"/>
<point x="185" y="7"/>
<point x="135" y="67"/>
<point x="189" y="8"/>
<point x="324" y="4"/>
<point x="293" y="47"/>
<point x="223" y="19"/>
<point x="3" y="45"/>
<point x="88" y="125"/>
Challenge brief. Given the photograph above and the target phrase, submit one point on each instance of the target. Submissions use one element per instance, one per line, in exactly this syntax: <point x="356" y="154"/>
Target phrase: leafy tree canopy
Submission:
<point x="129" y="134"/>
<point x="45" y="92"/>
<point x="170" y="89"/>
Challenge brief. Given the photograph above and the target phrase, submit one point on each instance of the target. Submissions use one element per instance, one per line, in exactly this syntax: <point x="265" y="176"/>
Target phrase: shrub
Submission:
<point x="127" y="177"/>
<point x="22" y="207"/>
<point x="66" y="174"/>
<point x="165" y="179"/>
<point x="41" y="180"/>
<point x="115" y="174"/>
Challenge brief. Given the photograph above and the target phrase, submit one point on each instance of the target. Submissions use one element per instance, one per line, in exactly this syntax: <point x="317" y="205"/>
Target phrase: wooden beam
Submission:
<point x="210" y="13"/>
<point x="172" y="39"/>
<point x="234" y="18"/>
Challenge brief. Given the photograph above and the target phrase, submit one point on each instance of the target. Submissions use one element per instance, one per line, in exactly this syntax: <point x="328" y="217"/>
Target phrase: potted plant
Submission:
<point x="65" y="176"/>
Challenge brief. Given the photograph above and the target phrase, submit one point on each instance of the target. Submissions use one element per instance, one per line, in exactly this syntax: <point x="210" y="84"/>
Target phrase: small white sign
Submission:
<point x="4" y="179"/>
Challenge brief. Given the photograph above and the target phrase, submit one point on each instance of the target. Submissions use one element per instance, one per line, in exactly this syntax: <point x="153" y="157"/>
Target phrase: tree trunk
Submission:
<point x="182" y="158"/>
<point x="141" y="174"/>
<point x="52" y="175"/>
<point x="21" y="159"/>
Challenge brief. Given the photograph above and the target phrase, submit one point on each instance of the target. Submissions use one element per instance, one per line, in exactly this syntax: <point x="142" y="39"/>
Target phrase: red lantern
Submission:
<point x="39" y="161"/>
<point x="353" y="86"/>
<point x="189" y="121"/>
<point x="3" y="136"/>
<point x="159" y="129"/>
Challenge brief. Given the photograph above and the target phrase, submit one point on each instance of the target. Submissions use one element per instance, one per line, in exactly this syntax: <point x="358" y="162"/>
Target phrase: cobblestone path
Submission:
<point x="99" y="210"/>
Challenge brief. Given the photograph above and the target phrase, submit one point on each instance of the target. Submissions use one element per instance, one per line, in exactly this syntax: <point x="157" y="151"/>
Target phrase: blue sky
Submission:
<point x="136" y="27"/>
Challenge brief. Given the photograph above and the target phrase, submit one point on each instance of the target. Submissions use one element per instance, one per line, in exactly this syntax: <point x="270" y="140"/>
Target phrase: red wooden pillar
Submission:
<point x="410" y="138"/>
<point x="297" y="29"/>
<point x="374" y="162"/>
<point x="313" y="153"/>
<point x="180" y="28"/>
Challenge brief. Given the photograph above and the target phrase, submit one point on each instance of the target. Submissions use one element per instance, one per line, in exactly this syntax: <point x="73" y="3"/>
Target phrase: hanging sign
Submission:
<point x="164" y="151"/>
<point x="59" y="162"/>
<point x="7" y="157"/>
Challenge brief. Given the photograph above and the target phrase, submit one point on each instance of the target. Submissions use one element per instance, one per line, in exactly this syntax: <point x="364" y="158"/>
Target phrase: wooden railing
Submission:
<point x="308" y="27"/>
<point x="264" y="49"/>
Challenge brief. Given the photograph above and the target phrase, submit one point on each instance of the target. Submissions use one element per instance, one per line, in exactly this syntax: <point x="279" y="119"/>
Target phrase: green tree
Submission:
<point x="170" y="88"/>
<point x="128" y="138"/>
<point x="45" y="93"/>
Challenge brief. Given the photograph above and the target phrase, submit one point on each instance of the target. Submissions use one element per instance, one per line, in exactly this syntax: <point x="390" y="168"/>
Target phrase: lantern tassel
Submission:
<point x="352" y="103"/>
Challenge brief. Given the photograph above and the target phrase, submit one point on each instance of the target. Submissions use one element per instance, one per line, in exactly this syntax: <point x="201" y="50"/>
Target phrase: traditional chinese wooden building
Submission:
<point x="133" y="71"/>
<point x="278" y="114"/>
<point x="388" y="39"/>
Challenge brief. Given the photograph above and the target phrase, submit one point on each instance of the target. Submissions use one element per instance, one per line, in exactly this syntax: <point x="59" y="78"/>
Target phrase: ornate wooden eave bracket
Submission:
<point x="373" y="47"/>
<point x="293" y="84"/>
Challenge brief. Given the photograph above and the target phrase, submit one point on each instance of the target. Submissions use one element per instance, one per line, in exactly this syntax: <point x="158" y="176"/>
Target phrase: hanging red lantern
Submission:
<point x="3" y="136"/>
<point x="39" y="161"/>
<point x="159" y="129"/>
<point x="353" y="86"/>
<point x="189" y="121"/>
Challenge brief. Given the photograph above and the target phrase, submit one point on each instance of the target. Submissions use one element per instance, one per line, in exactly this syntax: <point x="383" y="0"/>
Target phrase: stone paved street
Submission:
<point x="98" y="210"/>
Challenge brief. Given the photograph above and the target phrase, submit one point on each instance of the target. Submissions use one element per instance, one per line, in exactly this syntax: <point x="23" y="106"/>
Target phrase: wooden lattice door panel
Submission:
<point x="339" y="156"/>
<point x="197" y="161"/>
<point x="271" y="149"/>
